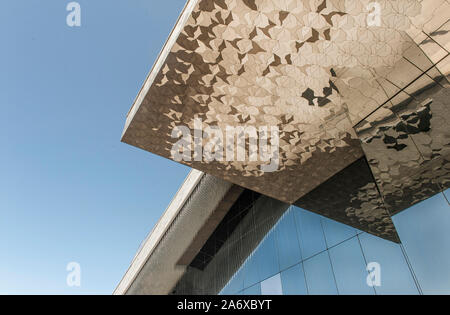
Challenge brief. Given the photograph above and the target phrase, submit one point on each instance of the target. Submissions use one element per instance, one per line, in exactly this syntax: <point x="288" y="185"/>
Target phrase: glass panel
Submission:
<point x="225" y="290"/>
<point x="425" y="233"/>
<point x="250" y="271"/>
<point x="236" y="283"/>
<point x="336" y="232"/>
<point x="319" y="275"/>
<point x="396" y="277"/>
<point x="287" y="241"/>
<point x="350" y="268"/>
<point x="310" y="232"/>
<point x="293" y="281"/>
<point x="267" y="258"/>
<point x="253" y="290"/>
<point x="272" y="286"/>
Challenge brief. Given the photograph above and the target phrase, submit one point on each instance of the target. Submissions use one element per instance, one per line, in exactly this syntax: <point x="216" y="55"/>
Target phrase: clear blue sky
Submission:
<point x="69" y="189"/>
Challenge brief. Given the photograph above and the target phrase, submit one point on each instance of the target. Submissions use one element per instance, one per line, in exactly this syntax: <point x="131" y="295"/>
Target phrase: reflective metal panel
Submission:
<point x="352" y="198"/>
<point x="407" y="142"/>
<point x="308" y="68"/>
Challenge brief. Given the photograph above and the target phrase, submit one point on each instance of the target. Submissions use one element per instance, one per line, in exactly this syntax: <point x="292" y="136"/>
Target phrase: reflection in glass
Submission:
<point x="336" y="232"/>
<point x="253" y="290"/>
<point x="425" y="233"/>
<point x="236" y="284"/>
<point x="250" y="272"/>
<point x="319" y="275"/>
<point x="272" y="286"/>
<point x="350" y="268"/>
<point x="293" y="281"/>
<point x="267" y="259"/>
<point x="287" y="241"/>
<point x="424" y="230"/>
<point x="396" y="277"/>
<point x="310" y="232"/>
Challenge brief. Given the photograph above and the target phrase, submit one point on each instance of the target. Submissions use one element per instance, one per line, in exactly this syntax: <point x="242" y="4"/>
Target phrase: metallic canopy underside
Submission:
<point x="337" y="86"/>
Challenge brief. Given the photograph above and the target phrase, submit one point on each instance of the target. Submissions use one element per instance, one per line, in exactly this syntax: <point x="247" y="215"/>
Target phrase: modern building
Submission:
<point x="334" y="178"/>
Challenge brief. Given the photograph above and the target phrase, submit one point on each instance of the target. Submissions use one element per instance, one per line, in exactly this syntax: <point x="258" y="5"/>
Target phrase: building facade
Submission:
<point x="308" y="254"/>
<point x="335" y="177"/>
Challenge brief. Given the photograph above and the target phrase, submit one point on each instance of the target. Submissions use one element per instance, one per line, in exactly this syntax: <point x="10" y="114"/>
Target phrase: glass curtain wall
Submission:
<point x="305" y="253"/>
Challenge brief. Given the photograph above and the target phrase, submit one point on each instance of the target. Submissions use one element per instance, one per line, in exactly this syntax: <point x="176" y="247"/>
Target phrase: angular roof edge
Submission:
<point x="182" y="19"/>
<point x="155" y="236"/>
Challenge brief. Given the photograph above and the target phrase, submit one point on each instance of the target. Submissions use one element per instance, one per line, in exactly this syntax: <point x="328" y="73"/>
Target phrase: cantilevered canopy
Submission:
<point x="314" y="70"/>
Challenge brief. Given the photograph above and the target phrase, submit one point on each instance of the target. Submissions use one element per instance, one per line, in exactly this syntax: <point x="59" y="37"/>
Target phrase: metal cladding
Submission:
<point x="336" y="79"/>
<point x="352" y="197"/>
<point x="159" y="271"/>
<point x="407" y="142"/>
